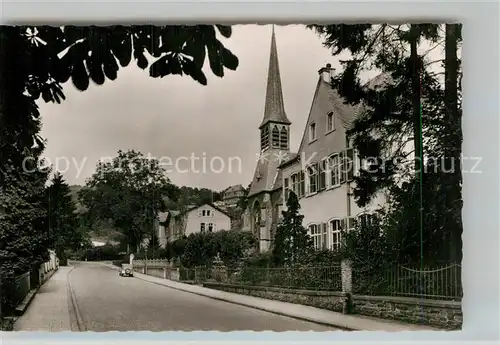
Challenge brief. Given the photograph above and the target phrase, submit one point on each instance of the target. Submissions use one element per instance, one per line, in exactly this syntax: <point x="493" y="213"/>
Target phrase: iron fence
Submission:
<point x="305" y="278"/>
<point x="440" y="282"/>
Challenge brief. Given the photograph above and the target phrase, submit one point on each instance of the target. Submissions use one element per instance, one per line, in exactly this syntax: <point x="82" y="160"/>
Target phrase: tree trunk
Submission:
<point x="452" y="179"/>
<point x="417" y="122"/>
<point x="415" y="85"/>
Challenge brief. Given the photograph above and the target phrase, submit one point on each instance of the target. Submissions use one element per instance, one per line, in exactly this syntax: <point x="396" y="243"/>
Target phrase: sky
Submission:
<point x="175" y="118"/>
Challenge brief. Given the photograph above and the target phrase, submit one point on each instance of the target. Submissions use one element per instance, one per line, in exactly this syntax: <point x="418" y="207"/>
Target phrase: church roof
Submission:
<point x="267" y="175"/>
<point x="274" y="107"/>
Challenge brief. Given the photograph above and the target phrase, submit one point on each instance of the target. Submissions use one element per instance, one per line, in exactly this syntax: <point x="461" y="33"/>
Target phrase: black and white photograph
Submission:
<point x="256" y="177"/>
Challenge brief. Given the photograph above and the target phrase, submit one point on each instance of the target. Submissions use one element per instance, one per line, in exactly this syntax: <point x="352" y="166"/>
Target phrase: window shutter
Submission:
<point x="357" y="163"/>
<point x="349" y="164"/>
<point x="325" y="235"/>
<point x="342" y="156"/>
<point x="322" y="175"/>
<point x="302" y="187"/>
<point x="343" y="224"/>
<point x="199" y="213"/>
<point x="352" y="223"/>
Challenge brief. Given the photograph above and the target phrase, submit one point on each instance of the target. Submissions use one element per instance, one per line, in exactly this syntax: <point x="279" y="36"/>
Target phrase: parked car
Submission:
<point x="126" y="271"/>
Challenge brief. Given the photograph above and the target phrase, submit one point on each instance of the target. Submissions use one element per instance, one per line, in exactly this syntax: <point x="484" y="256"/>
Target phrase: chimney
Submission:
<point x="327" y="73"/>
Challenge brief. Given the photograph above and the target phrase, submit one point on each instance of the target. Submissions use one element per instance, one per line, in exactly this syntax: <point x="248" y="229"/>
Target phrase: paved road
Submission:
<point x="108" y="302"/>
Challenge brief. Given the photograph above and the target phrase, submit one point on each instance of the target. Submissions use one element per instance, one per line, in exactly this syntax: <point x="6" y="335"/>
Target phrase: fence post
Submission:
<point x="346" y="273"/>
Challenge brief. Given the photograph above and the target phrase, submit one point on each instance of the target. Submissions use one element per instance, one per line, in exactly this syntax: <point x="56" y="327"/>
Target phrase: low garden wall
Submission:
<point x="330" y="300"/>
<point x="442" y="314"/>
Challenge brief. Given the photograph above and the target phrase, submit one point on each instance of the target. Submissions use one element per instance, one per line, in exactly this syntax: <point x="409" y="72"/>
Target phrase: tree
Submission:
<point x="64" y="230"/>
<point x="154" y="245"/>
<point x="201" y="248"/>
<point x="128" y="192"/>
<point x="372" y="254"/>
<point x="24" y="238"/>
<point x="292" y="243"/>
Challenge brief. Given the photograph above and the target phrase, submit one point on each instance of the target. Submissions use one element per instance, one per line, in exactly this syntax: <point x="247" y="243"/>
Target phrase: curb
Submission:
<point x="272" y="311"/>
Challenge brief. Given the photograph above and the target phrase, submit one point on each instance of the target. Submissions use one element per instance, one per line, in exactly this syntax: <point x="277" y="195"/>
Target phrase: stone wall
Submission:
<point x="321" y="299"/>
<point x="442" y="314"/>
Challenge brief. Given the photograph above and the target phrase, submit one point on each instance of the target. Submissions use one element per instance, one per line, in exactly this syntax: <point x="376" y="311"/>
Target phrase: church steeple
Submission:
<point x="275" y="124"/>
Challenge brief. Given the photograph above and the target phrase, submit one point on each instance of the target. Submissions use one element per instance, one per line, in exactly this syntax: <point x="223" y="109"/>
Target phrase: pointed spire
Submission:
<point x="274" y="109"/>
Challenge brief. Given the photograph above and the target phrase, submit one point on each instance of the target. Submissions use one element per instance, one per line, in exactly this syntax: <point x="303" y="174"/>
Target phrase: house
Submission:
<point x="320" y="173"/>
<point x="203" y="218"/>
<point x="232" y="195"/>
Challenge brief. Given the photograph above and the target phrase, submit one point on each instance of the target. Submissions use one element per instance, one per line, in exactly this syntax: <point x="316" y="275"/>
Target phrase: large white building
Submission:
<point x="320" y="172"/>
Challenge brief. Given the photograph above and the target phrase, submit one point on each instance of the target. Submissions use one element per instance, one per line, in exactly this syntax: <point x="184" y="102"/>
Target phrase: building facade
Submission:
<point x="204" y="218"/>
<point x="232" y="195"/>
<point x="320" y="173"/>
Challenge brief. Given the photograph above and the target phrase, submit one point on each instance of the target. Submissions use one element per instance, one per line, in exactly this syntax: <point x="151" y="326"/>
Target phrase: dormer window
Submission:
<point x="312" y="132"/>
<point x="330" y="122"/>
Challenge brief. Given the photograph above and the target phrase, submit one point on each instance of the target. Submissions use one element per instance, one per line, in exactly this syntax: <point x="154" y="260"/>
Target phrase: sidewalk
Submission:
<point x="49" y="310"/>
<point x="298" y="311"/>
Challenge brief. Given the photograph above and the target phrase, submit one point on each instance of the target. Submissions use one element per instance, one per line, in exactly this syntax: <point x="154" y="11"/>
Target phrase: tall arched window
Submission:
<point x="330" y="122"/>
<point x="276" y="137"/>
<point x="283" y="138"/>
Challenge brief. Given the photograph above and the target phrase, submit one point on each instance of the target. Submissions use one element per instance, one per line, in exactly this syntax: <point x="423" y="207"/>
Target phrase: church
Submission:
<point x="320" y="172"/>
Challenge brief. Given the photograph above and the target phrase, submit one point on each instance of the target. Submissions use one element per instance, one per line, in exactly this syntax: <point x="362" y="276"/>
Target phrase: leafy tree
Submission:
<point x="372" y="254"/>
<point x="200" y="249"/>
<point x="128" y="192"/>
<point x="233" y="245"/>
<point x="64" y="228"/>
<point x="292" y="242"/>
<point x="168" y="252"/>
<point x="178" y="248"/>
<point x="24" y="239"/>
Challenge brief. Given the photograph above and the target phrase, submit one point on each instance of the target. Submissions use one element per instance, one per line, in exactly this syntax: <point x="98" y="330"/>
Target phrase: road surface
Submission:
<point x="107" y="302"/>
